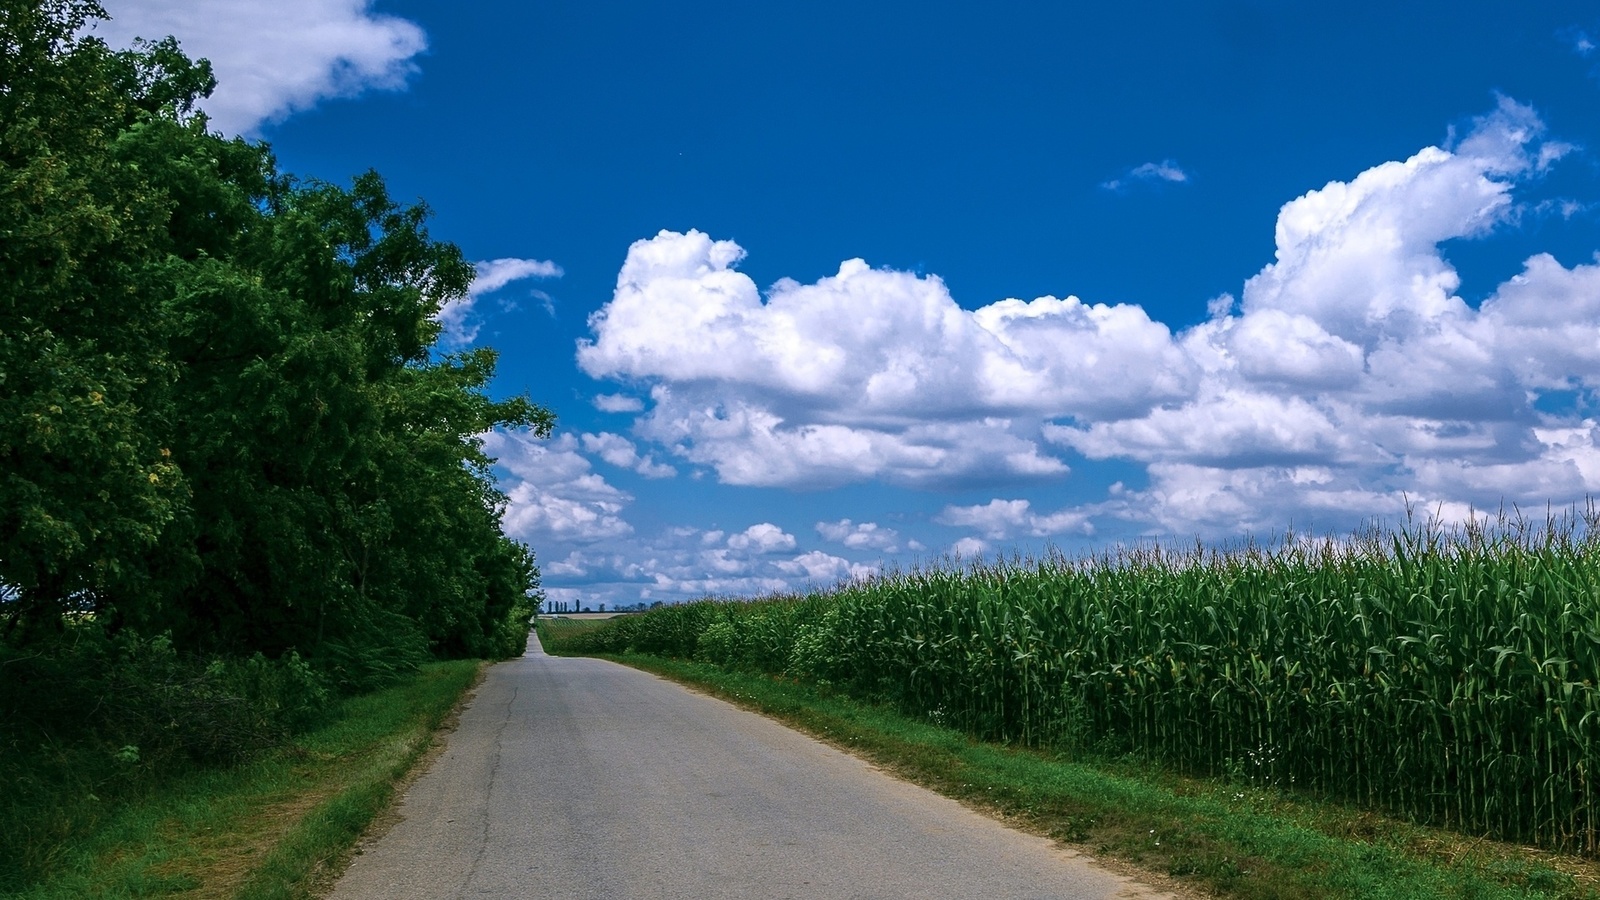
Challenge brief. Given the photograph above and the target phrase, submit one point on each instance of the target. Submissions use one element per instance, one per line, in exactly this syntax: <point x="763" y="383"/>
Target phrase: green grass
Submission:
<point x="1230" y="838"/>
<point x="270" y="828"/>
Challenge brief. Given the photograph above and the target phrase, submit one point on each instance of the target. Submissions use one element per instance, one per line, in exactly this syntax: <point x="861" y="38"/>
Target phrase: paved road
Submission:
<point x="577" y="778"/>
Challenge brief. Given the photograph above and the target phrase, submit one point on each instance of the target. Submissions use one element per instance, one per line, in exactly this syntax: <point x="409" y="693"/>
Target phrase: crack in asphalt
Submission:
<point x="494" y="778"/>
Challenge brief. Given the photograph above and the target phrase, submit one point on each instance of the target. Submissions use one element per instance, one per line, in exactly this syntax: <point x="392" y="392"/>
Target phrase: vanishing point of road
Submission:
<point x="579" y="778"/>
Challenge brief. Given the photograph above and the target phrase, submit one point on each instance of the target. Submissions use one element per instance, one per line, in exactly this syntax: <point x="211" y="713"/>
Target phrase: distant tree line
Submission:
<point x="224" y="417"/>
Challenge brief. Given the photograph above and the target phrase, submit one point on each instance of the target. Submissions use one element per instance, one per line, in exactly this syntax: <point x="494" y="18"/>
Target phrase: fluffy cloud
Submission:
<point x="273" y="59"/>
<point x="590" y="554"/>
<point x="763" y="538"/>
<point x="1354" y="376"/>
<point x="863" y="375"/>
<point x="553" y="494"/>
<point x="824" y="570"/>
<point x="969" y="548"/>
<point x="618" y="403"/>
<point x="1349" y="376"/>
<point x="1001" y="519"/>
<point x="621" y="452"/>
<point x="1238" y="426"/>
<point x="685" y="563"/>
<point x="459" y="324"/>
<point x="750" y="444"/>
<point x="592" y="566"/>
<point x="872" y="348"/>
<point x="863" y="536"/>
<point x="1541" y="325"/>
<point x="494" y="274"/>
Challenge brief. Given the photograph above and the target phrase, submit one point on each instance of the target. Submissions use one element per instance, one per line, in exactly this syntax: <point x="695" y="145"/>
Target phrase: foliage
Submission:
<point x="129" y="691"/>
<point x="236" y="475"/>
<point x="97" y="716"/>
<point x="1447" y="677"/>
<point x="85" y="484"/>
<point x="267" y="829"/>
<point x="222" y="415"/>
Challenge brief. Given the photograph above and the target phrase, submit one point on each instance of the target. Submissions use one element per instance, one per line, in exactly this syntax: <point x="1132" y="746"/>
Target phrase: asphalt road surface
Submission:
<point x="577" y="778"/>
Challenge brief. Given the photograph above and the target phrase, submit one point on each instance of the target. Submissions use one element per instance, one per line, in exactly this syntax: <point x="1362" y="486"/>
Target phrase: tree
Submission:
<point x="221" y="413"/>
<point x="85" y="484"/>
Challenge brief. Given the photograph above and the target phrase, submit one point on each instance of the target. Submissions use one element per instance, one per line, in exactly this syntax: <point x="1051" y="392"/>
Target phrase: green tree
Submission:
<point x="86" y="485"/>
<point x="222" y="415"/>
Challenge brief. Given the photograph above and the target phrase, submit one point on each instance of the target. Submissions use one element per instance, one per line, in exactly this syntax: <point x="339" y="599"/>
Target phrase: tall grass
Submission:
<point x="1447" y="675"/>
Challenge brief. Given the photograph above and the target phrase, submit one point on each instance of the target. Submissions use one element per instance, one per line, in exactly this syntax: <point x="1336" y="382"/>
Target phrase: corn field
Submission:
<point x="1445" y="676"/>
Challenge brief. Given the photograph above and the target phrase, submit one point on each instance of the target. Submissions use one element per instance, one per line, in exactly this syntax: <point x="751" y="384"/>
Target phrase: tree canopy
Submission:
<point x="223" y="411"/>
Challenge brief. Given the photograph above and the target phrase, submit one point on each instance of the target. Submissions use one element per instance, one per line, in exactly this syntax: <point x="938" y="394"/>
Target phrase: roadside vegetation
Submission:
<point x="276" y="827"/>
<point x="1390" y="692"/>
<point x="240" y="481"/>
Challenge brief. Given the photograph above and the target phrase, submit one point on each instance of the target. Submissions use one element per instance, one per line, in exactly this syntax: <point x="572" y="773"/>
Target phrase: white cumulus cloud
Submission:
<point x="823" y="569"/>
<point x="763" y="538"/>
<point x="969" y="548"/>
<point x="1354" y="376"/>
<point x="553" y="493"/>
<point x="867" y="374"/>
<point x="618" y="403"/>
<point x="1001" y="519"/>
<point x="860" y="536"/>
<point x="1348" y="377"/>
<point x="621" y="452"/>
<point x="273" y="59"/>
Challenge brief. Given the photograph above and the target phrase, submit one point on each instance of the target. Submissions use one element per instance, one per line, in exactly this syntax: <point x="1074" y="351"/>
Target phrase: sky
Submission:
<point x="823" y="289"/>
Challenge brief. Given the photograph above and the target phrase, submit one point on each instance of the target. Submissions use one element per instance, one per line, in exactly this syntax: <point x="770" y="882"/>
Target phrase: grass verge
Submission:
<point x="273" y="828"/>
<point x="1227" y="839"/>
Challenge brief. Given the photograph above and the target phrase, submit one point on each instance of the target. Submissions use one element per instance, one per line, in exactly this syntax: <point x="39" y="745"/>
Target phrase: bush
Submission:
<point x="373" y="648"/>
<point x="718" y="643"/>
<point x="132" y="691"/>
<point x="87" y="718"/>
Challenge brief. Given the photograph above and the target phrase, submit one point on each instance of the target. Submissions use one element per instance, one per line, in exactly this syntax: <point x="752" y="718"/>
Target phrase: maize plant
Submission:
<point x="1445" y="676"/>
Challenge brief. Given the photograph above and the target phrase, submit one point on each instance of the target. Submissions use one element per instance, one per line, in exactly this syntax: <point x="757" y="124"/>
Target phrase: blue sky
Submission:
<point x="820" y="288"/>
